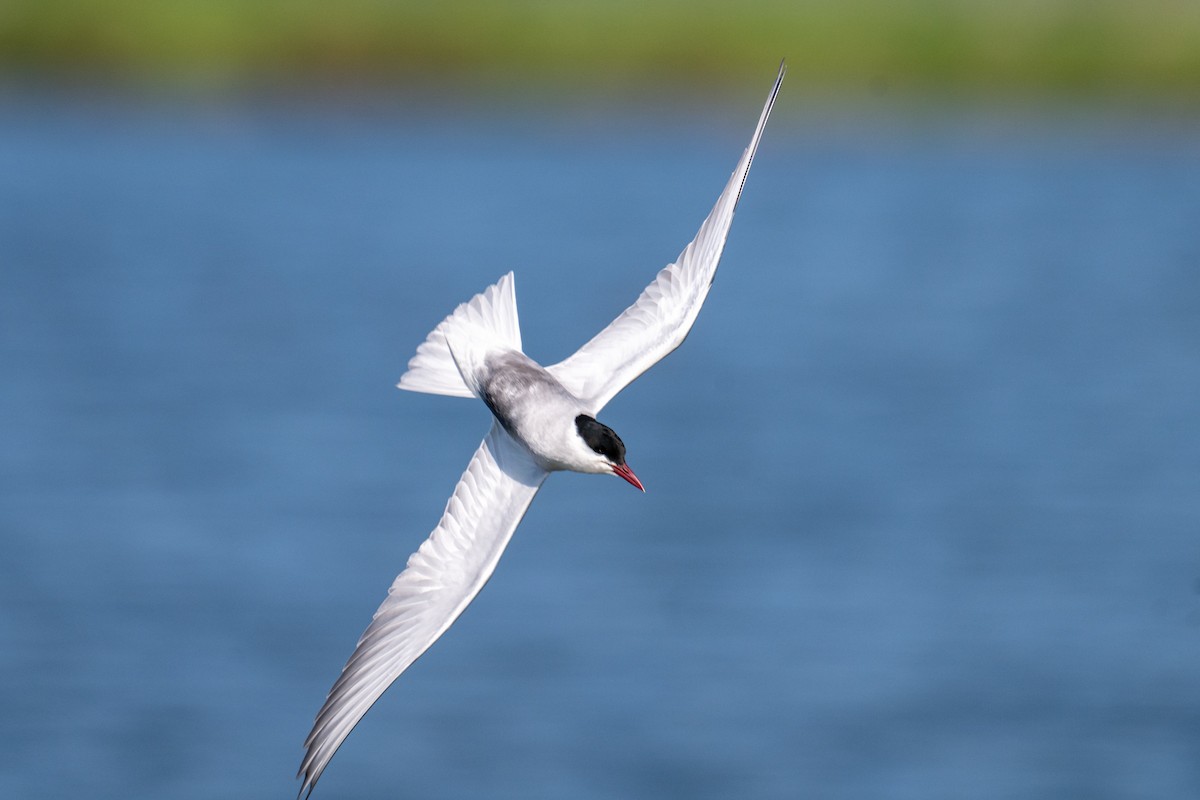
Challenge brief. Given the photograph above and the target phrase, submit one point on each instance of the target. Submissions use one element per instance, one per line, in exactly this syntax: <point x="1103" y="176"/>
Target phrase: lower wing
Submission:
<point x="441" y="579"/>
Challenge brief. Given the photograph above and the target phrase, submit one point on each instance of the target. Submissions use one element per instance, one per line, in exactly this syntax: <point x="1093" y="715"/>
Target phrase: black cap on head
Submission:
<point x="601" y="438"/>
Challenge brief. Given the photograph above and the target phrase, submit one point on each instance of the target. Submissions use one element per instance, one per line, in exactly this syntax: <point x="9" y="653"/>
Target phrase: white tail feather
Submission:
<point x="486" y="322"/>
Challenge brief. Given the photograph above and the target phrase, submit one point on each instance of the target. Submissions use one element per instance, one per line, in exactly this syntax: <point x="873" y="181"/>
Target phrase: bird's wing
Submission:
<point x="660" y="319"/>
<point x="441" y="579"/>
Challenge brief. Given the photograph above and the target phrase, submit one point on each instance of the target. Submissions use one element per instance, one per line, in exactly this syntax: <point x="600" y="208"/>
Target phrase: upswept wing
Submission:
<point x="441" y="579"/>
<point x="660" y="319"/>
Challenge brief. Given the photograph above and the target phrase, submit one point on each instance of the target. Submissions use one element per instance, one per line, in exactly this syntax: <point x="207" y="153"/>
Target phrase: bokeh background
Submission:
<point x="922" y="518"/>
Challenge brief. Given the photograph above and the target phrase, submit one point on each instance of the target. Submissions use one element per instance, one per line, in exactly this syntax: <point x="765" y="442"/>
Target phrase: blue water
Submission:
<point x="923" y="516"/>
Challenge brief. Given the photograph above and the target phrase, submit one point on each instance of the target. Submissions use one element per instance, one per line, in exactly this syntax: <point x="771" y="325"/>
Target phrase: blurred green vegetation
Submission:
<point x="1117" y="47"/>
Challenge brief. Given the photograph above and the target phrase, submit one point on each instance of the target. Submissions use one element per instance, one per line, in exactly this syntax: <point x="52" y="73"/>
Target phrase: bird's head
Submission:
<point x="607" y="448"/>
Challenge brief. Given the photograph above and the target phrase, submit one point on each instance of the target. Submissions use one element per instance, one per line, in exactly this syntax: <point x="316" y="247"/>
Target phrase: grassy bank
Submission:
<point x="1118" y="47"/>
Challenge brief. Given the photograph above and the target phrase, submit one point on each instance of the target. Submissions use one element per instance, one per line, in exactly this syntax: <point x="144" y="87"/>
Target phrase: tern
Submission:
<point x="544" y="420"/>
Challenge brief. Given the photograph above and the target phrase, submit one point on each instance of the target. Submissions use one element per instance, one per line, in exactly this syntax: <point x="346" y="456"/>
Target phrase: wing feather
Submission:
<point x="661" y="317"/>
<point x="440" y="580"/>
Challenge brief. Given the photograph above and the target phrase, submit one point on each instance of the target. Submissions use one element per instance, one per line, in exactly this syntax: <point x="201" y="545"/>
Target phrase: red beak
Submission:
<point x="625" y="472"/>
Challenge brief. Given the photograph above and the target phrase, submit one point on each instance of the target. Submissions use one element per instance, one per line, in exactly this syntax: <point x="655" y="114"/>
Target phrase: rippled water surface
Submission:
<point x="923" y="516"/>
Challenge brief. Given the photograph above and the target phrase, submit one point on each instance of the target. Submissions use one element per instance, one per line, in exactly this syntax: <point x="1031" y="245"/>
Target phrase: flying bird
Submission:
<point x="544" y="420"/>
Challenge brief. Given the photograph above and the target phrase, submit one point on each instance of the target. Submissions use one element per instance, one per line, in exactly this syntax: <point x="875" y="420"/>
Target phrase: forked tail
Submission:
<point x="486" y="322"/>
